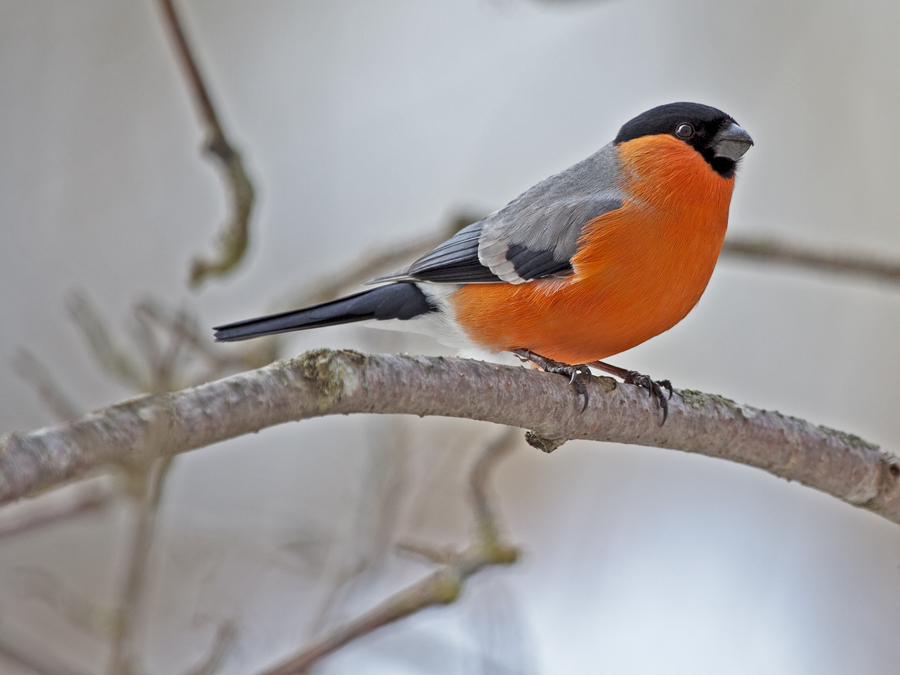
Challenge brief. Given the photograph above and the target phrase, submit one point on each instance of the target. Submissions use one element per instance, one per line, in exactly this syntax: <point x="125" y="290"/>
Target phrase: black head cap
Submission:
<point x="708" y="130"/>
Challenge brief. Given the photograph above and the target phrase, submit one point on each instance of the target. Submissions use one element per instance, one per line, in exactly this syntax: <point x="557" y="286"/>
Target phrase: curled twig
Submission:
<point x="234" y="237"/>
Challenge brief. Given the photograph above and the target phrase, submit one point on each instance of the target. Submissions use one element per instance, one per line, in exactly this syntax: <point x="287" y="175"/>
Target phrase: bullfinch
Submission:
<point x="586" y="264"/>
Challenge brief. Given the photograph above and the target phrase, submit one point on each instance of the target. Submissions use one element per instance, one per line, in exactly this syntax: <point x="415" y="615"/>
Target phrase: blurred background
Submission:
<point x="368" y="124"/>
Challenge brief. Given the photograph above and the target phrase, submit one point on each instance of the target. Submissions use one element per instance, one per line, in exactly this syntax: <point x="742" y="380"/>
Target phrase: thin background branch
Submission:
<point x="62" y="504"/>
<point x="38" y="660"/>
<point x="235" y="236"/>
<point x="774" y="250"/>
<point x="151" y="480"/>
<point x="442" y="587"/>
<point x="30" y="369"/>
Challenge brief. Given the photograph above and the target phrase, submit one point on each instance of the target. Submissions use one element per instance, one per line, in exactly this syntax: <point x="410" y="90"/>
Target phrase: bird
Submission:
<point x="587" y="264"/>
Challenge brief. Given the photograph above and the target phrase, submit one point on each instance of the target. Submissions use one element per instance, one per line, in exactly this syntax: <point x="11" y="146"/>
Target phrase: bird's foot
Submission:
<point x="577" y="374"/>
<point x="654" y="388"/>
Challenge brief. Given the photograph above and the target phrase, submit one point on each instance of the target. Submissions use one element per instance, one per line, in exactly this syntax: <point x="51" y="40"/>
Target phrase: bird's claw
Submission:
<point x="654" y="389"/>
<point x="550" y="366"/>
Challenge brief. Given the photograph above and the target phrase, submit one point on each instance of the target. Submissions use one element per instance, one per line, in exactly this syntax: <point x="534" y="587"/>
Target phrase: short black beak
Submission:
<point x="731" y="142"/>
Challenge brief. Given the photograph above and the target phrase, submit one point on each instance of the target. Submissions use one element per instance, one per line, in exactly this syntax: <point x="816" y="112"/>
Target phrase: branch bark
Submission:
<point x="326" y="382"/>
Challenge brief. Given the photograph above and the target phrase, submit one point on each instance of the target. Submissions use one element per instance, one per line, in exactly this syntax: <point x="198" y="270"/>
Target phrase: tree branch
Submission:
<point x="326" y="382"/>
<point x="39" y="660"/>
<point x="371" y="263"/>
<point x="235" y="235"/>
<point x="52" y="507"/>
<point x="150" y="481"/>
<point x="771" y="250"/>
<point x="30" y="369"/>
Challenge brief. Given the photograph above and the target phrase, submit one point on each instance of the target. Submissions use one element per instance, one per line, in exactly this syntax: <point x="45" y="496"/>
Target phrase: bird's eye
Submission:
<point x="684" y="131"/>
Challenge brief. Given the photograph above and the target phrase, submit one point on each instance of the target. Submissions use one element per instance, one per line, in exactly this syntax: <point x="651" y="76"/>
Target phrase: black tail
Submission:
<point x="401" y="300"/>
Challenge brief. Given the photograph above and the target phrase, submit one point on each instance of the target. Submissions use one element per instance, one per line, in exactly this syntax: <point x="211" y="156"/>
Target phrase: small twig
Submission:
<point x="443" y="555"/>
<point x="768" y="249"/>
<point x="147" y="345"/>
<point x="234" y="237"/>
<point x="30" y="369"/>
<point x="440" y="588"/>
<point x="38" y="660"/>
<point x="172" y="352"/>
<point x="114" y="360"/>
<point x="61" y="504"/>
<point x="152" y="480"/>
<point x="219" y="650"/>
<point x="189" y="343"/>
<point x="169" y="366"/>
<point x="485" y="518"/>
<point x="80" y="611"/>
<point x="373" y="262"/>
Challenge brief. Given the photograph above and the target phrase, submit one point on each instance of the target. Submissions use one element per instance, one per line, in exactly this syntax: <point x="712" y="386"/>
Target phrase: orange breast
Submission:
<point x="639" y="270"/>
